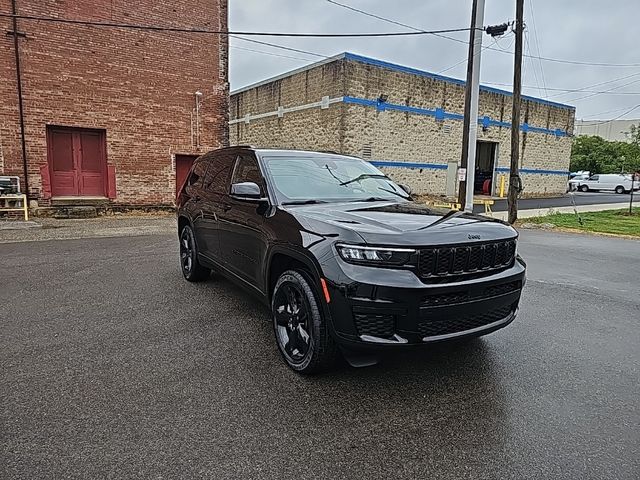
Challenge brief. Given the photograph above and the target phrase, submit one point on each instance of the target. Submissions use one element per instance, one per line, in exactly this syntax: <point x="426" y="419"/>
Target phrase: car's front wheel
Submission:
<point x="620" y="190"/>
<point x="302" y="333"/>
<point x="584" y="188"/>
<point x="189" y="264"/>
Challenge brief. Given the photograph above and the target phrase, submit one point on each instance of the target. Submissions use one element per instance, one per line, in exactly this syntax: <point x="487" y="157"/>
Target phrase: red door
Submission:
<point x="77" y="162"/>
<point x="183" y="165"/>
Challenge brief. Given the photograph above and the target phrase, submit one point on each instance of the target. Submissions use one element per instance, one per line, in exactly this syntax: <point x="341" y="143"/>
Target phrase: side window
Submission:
<point x="247" y="170"/>
<point x="595" y="178"/>
<point x="197" y="172"/>
<point x="217" y="180"/>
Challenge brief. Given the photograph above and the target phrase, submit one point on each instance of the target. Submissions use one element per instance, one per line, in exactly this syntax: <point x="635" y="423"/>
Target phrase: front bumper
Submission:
<point x="381" y="308"/>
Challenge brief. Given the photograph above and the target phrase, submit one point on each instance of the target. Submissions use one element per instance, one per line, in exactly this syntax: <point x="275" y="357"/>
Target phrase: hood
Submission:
<point x="401" y="223"/>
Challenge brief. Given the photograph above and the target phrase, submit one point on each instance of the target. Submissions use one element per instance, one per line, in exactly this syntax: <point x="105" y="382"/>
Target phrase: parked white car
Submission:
<point x="618" y="183"/>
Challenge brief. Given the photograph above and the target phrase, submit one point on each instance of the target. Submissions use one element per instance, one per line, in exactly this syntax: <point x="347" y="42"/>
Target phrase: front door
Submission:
<point x="77" y="162"/>
<point x="243" y="242"/>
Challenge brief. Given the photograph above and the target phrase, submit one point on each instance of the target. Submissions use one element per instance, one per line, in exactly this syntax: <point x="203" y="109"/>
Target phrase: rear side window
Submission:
<point x="247" y="170"/>
<point x="197" y="172"/>
<point x="217" y="180"/>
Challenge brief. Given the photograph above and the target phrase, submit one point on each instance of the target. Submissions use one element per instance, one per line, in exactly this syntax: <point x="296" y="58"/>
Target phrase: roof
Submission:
<point x="397" y="68"/>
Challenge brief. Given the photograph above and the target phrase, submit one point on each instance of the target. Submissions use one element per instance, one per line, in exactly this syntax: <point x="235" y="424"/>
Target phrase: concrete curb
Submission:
<point x="543" y="212"/>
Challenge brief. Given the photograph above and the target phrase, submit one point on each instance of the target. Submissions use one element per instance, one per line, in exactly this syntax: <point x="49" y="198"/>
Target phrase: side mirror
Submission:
<point x="246" y="191"/>
<point x="406" y="188"/>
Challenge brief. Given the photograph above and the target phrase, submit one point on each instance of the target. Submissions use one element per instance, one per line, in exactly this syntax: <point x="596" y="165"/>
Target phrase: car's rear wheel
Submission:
<point x="584" y="188"/>
<point x="189" y="264"/>
<point x="301" y="331"/>
<point x="620" y="189"/>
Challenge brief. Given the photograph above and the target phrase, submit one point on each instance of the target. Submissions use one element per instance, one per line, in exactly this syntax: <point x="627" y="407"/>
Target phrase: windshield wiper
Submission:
<point x="363" y="176"/>
<point x="406" y="197"/>
<point x="303" y="202"/>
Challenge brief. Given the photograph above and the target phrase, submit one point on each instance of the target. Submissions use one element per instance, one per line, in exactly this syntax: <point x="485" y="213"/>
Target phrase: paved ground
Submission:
<point x="589" y="198"/>
<point x="111" y="366"/>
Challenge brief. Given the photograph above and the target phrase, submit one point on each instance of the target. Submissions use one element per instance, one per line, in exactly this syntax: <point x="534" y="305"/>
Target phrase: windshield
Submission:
<point x="329" y="179"/>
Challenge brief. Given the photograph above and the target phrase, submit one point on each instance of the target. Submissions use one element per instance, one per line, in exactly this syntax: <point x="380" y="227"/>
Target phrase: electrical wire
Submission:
<point x="267" y="53"/>
<point x="222" y="32"/>
<point x="546" y="59"/>
<point x="606" y="91"/>
<point x="275" y="45"/>
<point x="394" y="22"/>
<point x="612" y="119"/>
<point x="537" y="45"/>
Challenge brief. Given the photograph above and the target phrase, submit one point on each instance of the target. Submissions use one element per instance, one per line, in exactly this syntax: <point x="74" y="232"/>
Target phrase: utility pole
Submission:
<point x="515" y="184"/>
<point x="471" y="96"/>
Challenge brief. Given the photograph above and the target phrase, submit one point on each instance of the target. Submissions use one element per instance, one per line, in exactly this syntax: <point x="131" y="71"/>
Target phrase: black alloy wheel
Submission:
<point x="302" y="334"/>
<point x="189" y="264"/>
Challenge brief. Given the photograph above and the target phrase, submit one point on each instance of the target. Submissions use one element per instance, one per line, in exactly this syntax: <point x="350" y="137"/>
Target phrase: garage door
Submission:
<point x="77" y="162"/>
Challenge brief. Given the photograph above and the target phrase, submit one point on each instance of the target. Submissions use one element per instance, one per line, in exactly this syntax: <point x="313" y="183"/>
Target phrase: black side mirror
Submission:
<point x="406" y="188"/>
<point x="247" y="191"/>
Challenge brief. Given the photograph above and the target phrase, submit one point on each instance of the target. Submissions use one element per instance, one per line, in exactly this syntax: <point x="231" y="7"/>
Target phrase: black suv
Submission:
<point x="346" y="260"/>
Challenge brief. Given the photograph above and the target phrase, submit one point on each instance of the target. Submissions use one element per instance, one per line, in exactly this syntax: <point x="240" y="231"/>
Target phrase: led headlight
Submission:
<point x="375" y="255"/>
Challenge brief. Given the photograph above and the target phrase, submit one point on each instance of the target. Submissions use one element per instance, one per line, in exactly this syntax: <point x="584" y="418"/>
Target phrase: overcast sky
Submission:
<point x="595" y="31"/>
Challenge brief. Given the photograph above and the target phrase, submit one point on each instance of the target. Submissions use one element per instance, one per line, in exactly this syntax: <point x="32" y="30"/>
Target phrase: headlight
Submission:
<point x="375" y="255"/>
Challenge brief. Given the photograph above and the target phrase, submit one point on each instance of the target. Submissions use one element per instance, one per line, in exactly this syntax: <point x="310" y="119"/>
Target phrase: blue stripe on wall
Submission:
<point x="564" y="173"/>
<point x="443" y="166"/>
<point x="431" y="166"/>
<point x="456" y="81"/>
<point x="440" y="114"/>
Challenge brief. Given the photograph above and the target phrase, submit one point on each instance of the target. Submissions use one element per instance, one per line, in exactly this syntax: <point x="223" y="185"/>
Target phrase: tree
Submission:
<point x="597" y="155"/>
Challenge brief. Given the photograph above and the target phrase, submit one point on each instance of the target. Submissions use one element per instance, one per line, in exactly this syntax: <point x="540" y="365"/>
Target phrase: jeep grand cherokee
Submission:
<point x="345" y="259"/>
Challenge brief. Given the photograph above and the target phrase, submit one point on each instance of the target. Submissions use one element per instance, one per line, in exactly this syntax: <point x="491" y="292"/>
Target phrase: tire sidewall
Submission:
<point x="315" y="315"/>
<point x="190" y="274"/>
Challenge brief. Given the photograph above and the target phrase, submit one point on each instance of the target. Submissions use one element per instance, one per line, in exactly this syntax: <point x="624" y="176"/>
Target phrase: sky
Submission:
<point x="591" y="31"/>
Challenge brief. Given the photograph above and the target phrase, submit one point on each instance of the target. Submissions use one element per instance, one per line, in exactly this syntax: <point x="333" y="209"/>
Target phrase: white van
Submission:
<point x="618" y="183"/>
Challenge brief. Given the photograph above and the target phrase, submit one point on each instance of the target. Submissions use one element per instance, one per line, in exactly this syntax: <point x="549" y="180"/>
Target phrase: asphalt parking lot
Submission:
<point x="113" y="367"/>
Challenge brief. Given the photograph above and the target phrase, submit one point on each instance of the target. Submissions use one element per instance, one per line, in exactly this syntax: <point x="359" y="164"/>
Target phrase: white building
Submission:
<point x="612" y="130"/>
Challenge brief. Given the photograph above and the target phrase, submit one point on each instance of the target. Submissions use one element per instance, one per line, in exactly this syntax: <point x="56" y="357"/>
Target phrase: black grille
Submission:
<point x="502" y="289"/>
<point x="375" y="325"/>
<point x="461" y="296"/>
<point x="432" y="328"/>
<point x="462" y="260"/>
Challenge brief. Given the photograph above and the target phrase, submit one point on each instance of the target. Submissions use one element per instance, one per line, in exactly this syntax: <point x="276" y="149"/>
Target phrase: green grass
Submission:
<point x="618" y="222"/>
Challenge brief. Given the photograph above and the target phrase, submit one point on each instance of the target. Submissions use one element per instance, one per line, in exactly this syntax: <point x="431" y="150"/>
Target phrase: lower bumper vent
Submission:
<point x="433" y="328"/>
<point x="375" y="325"/>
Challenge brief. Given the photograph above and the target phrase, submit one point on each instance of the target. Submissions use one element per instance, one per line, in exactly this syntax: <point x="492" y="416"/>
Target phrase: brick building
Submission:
<point x="112" y="112"/>
<point x="406" y="121"/>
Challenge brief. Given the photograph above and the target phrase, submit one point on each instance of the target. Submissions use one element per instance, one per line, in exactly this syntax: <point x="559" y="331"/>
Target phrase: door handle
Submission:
<point x="226" y="207"/>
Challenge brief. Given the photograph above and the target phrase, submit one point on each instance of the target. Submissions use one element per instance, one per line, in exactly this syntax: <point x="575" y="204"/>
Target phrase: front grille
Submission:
<point x="374" y="324"/>
<point x="462" y="260"/>
<point x="432" y="328"/>
<point x="461" y="296"/>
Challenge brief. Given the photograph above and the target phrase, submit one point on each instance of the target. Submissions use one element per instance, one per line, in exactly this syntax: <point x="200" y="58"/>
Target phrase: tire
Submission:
<point x="296" y="315"/>
<point x="189" y="264"/>
<point x="584" y="188"/>
<point x="620" y="189"/>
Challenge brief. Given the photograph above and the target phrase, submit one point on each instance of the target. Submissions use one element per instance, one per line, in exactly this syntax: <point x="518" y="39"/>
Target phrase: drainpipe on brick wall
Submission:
<point x="16" y="49"/>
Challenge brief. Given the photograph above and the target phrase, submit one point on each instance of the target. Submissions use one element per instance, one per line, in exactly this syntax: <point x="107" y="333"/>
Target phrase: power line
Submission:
<point x="267" y="53"/>
<point x="282" y="47"/>
<point x="564" y="89"/>
<point x="394" y="22"/>
<point x="464" y="60"/>
<point x="606" y="91"/>
<point x="546" y="59"/>
<point x="612" y="119"/>
<point x="537" y="45"/>
<point x="604" y="113"/>
<point x="221" y="32"/>
<point x="581" y="89"/>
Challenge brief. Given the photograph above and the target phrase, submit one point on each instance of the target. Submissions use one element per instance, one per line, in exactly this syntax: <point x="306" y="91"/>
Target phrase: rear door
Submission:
<point x="243" y="242"/>
<point x="193" y="191"/>
<point x="214" y="193"/>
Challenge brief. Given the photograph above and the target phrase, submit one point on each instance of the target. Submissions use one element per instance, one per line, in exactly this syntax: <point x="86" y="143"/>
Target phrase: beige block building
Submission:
<point x="405" y="121"/>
